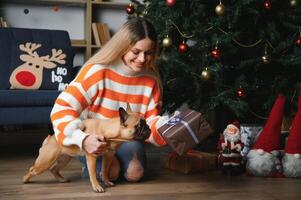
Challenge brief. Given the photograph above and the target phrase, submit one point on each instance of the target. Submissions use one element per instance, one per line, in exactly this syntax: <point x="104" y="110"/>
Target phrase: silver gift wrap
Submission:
<point x="249" y="134"/>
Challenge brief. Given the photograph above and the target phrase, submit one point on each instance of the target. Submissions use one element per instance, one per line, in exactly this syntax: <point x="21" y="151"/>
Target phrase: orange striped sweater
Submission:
<point x="97" y="92"/>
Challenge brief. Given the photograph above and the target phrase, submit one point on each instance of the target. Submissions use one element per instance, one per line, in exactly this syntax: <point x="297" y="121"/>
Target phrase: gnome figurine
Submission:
<point x="263" y="158"/>
<point x="291" y="161"/>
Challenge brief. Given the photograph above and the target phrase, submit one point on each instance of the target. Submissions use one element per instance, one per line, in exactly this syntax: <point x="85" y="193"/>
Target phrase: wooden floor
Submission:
<point x="158" y="184"/>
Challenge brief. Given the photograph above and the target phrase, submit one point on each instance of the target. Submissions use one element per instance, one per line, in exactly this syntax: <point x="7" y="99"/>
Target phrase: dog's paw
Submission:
<point x="109" y="183"/>
<point x="98" y="188"/>
<point x="63" y="180"/>
<point x="26" y="179"/>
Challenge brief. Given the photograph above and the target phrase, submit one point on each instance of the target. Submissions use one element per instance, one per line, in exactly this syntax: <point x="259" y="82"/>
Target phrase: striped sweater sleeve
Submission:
<point x="154" y="120"/>
<point x="65" y="115"/>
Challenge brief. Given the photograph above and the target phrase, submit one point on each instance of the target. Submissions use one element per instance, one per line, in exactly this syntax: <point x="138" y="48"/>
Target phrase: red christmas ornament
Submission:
<point x="130" y="9"/>
<point x="241" y="93"/>
<point x="216" y="53"/>
<point x="183" y="47"/>
<point x="170" y="3"/>
<point x="267" y="4"/>
<point x="56" y="8"/>
<point x="298" y="41"/>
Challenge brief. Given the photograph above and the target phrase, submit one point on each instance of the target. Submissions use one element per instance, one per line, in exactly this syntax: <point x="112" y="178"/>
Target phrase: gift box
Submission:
<point x="185" y="130"/>
<point x="249" y="134"/>
<point x="191" y="162"/>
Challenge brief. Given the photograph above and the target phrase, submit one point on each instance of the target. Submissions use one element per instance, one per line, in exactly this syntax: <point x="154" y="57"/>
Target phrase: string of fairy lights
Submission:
<point x="219" y="10"/>
<point x="216" y="53"/>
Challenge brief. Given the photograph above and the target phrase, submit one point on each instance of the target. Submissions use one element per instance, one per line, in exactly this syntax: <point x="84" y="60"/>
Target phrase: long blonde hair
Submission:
<point x="123" y="40"/>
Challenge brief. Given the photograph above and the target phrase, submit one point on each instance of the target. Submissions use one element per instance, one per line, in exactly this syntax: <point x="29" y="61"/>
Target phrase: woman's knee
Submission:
<point x="133" y="160"/>
<point x="135" y="170"/>
<point x="126" y="152"/>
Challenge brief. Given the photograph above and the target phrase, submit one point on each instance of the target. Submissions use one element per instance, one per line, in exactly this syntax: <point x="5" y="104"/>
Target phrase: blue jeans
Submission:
<point x="124" y="154"/>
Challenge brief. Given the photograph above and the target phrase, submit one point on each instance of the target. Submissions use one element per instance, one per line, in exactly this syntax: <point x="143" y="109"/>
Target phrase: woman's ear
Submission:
<point x="123" y="115"/>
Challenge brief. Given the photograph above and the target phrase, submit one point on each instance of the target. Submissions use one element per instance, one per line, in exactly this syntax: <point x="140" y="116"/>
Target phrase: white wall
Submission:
<point x="70" y="18"/>
<point x="66" y="18"/>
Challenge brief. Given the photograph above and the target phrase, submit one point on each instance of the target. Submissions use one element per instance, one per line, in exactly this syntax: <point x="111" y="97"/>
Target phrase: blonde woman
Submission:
<point x="122" y="72"/>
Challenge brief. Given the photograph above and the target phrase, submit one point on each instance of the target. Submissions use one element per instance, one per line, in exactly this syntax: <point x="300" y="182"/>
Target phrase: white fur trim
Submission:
<point x="275" y="153"/>
<point x="231" y="163"/>
<point x="261" y="164"/>
<point x="234" y="138"/>
<point x="260" y="151"/>
<point x="291" y="166"/>
<point x="231" y="155"/>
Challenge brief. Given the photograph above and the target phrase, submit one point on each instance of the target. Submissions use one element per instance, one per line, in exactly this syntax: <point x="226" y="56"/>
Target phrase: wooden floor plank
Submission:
<point x="158" y="184"/>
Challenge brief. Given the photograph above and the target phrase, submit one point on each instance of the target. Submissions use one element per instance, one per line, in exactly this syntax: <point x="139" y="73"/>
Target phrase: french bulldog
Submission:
<point x="54" y="156"/>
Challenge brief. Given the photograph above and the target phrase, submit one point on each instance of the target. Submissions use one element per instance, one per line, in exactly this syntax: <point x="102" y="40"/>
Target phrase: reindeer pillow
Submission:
<point x="38" y="66"/>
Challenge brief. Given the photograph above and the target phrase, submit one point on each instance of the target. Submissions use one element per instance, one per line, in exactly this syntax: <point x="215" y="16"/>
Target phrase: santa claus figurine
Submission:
<point x="229" y="147"/>
<point x="291" y="161"/>
<point x="263" y="158"/>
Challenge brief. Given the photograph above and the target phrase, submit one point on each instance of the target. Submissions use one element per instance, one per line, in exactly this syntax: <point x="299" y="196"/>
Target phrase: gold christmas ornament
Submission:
<point x="266" y="59"/>
<point x="220" y="9"/>
<point x="294" y="3"/>
<point x="206" y="75"/>
<point x="167" y="42"/>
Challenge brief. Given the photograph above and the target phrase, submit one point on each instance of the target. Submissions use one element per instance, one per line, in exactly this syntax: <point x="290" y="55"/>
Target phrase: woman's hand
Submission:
<point x="95" y="144"/>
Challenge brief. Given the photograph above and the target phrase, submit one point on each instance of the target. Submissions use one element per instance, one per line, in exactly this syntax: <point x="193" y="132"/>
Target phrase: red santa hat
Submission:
<point x="293" y="145"/>
<point x="236" y="124"/>
<point x="269" y="138"/>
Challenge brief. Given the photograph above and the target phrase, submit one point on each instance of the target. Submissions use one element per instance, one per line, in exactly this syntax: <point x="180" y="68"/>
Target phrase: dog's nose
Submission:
<point x="143" y="133"/>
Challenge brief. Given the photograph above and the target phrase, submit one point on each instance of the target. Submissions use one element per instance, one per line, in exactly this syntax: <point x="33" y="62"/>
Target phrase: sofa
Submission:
<point x="35" y="66"/>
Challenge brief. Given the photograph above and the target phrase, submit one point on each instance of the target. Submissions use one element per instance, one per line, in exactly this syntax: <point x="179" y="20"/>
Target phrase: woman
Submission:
<point x="122" y="72"/>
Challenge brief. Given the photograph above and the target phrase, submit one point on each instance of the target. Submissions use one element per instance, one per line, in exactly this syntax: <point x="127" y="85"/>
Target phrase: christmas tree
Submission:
<point x="229" y="54"/>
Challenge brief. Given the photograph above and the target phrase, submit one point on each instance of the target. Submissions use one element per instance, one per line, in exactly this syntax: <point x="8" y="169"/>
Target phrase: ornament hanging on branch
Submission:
<point x="267" y="4"/>
<point x="298" y="39"/>
<point x="206" y="74"/>
<point x="216" y="52"/>
<point x="130" y="9"/>
<point x="183" y="47"/>
<point x="294" y="3"/>
<point x="167" y="42"/>
<point x="220" y="9"/>
<point x="170" y="3"/>
<point x="266" y="59"/>
<point x="241" y="93"/>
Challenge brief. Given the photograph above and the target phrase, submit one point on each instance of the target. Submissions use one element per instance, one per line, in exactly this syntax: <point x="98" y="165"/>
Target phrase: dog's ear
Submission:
<point x="123" y="115"/>
<point x="128" y="108"/>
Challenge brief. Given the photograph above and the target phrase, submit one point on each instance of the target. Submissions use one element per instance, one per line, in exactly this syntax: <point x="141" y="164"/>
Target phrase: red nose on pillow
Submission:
<point x="26" y="78"/>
